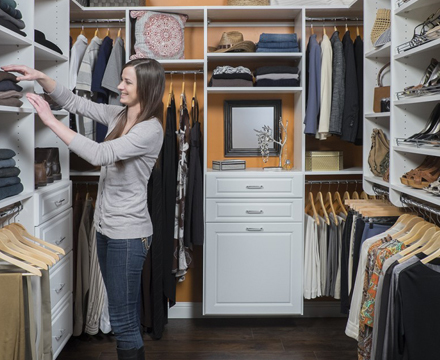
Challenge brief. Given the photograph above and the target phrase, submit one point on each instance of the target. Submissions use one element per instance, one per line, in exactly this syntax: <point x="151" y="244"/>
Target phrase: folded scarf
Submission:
<point x="276" y="70"/>
<point x="231" y="83"/>
<point x="10" y="94"/>
<point x="11" y="102"/>
<point x="8" y="9"/>
<point x="17" y="22"/>
<point x="4" y="75"/>
<point x="229" y="72"/>
<point x="11" y="3"/>
<point x="9" y="181"/>
<point x="9" y="25"/>
<point x="7" y="163"/>
<point x="277" y="76"/>
<point x="7" y="172"/>
<point x="7" y="154"/>
<point x="281" y="82"/>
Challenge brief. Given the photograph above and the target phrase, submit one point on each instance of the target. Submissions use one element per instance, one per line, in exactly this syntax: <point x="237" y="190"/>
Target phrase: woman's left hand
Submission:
<point x="42" y="107"/>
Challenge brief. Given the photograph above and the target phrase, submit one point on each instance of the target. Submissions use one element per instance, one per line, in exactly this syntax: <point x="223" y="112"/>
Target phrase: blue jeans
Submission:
<point x="121" y="262"/>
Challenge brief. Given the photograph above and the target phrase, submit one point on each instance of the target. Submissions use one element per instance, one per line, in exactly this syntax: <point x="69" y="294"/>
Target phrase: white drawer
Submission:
<point x="254" y="184"/>
<point x="244" y="210"/>
<point x="58" y="230"/>
<point x="62" y="324"/>
<point x="61" y="282"/>
<point x="53" y="200"/>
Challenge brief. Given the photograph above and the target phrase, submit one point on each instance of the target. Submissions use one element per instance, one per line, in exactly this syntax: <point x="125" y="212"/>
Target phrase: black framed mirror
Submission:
<point x="241" y="117"/>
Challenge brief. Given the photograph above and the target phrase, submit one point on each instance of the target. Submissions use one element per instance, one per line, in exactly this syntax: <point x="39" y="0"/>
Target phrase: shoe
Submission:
<point x="131" y="354"/>
<point x="42" y="154"/>
<point x="428" y="163"/>
<point x="431" y="127"/>
<point x="52" y="157"/>
<point x="56" y="167"/>
<point x="422" y="178"/>
<point x="40" y="174"/>
<point x="425" y="79"/>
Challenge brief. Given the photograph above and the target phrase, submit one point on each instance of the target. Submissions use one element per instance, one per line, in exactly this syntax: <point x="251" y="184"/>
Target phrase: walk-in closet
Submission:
<point x="292" y="207"/>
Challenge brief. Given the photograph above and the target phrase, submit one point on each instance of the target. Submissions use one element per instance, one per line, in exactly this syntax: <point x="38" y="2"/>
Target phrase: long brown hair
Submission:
<point x="150" y="78"/>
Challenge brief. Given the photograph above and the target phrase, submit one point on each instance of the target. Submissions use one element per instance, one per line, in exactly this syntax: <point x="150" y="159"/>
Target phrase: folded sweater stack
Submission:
<point x="228" y="76"/>
<point x="10" y="183"/>
<point x="278" y="43"/>
<point x="277" y="76"/>
<point x="10" y="92"/>
<point x="11" y="17"/>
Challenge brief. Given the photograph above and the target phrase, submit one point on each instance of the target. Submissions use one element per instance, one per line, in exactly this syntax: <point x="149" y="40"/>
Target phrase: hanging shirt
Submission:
<point x="326" y="88"/>
<point x="76" y="57"/>
<point x="314" y="86"/>
<point x="112" y="74"/>
<point x="338" y="85"/>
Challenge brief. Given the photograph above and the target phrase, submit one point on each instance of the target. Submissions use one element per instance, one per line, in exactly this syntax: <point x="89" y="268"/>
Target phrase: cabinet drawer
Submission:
<point x="58" y="230"/>
<point x="52" y="201"/>
<point x="242" y="210"/>
<point x="62" y="324"/>
<point x="254" y="185"/>
<point x="61" y="282"/>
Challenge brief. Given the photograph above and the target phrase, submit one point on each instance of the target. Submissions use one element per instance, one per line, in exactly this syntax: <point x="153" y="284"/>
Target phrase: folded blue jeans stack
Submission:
<point x="10" y="183"/>
<point x="278" y="43"/>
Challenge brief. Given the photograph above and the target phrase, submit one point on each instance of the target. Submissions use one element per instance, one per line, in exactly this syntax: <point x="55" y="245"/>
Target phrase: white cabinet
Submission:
<point x="254" y="243"/>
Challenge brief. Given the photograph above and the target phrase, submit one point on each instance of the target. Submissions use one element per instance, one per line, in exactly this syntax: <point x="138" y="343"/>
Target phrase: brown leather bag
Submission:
<point x="381" y="91"/>
<point x="378" y="158"/>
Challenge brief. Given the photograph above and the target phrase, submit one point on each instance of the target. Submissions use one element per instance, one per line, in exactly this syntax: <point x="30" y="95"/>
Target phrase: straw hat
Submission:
<point x="233" y="41"/>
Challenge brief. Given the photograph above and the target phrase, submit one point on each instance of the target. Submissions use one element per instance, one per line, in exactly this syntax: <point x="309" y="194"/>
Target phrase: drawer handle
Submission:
<point x="254" y="211"/>
<point x="60" y="288"/>
<point x="60" y="240"/>
<point x="254" y="229"/>
<point x="254" y="187"/>
<point x="57" y="338"/>
<point x="58" y="203"/>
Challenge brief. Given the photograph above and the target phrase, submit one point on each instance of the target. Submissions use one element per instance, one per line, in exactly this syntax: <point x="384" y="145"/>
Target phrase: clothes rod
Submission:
<point x="338" y="18"/>
<point x="86" y="182"/>
<point x="86" y="21"/>
<point x="183" y="72"/>
<point x="11" y="209"/>
<point x="414" y="203"/>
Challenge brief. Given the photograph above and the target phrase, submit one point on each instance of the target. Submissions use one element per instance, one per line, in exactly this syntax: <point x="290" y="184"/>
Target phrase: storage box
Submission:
<point x="228" y="165"/>
<point x="324" y="160"/>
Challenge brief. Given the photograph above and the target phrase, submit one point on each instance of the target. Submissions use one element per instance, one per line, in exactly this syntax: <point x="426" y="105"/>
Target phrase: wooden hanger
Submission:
<point x="319" y="205"/>
<point x="433" y="251"/>
<point x="323" y="30"/>
<point x="182" y="94"/>
<point x="19" y="236"/>
<point x="403" y="219"/>
<point x="346" y="196"/>
<point x="310" y="208"/>
<point x="108" y="32"/>
<point x="364" y="195"/>
<point x="338" y="202"/>
<point x="409" y="225"/>
<point x="96" y="32"/>
<point x="355" y="195"/>
<point x="119" y="32"/>
<point x="170" y="94"/>
<point x="335" y="28"/>
<point x="23" y="232"/>
<point x="29" y="268"/>
<point x="357" y="31"/>
<point x="329" y="206"/>
<point x="346" y="27"/>
<point x="6" y="246"/>
<point x="311" y="29"/>
<point x="417" y="247"/>
<point x="416" y="233"/>
<point x="27" y="248"/>
<point x="82" y="30"/>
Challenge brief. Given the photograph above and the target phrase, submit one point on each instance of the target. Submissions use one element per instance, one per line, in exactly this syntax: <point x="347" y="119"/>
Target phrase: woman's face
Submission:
<point x="128" y="87"/>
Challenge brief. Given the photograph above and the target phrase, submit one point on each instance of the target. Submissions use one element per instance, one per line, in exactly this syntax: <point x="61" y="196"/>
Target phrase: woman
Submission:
<point x="126" y="157"/>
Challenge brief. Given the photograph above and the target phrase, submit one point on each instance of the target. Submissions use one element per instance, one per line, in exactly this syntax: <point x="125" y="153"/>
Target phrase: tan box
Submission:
<point x="324" y="160"/>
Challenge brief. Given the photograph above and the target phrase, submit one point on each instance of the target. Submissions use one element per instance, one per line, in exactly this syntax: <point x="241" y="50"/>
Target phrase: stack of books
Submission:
<point x="228" y="164"/>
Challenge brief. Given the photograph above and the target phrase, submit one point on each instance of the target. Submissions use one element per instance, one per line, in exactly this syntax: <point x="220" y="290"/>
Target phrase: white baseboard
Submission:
<point x="193" y="310"/>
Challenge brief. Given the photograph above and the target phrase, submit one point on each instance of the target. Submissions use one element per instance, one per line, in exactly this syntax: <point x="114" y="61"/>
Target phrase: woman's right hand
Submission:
<point x="28" y="73"/>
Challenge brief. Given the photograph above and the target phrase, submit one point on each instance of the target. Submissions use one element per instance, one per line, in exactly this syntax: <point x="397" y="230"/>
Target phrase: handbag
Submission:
<point x="379" y="156"/>
<point x="380" y="92"/>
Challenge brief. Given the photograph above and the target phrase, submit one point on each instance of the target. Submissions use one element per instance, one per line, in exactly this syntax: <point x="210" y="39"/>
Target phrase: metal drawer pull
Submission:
<point x="60" y="240"/>
<point x="57" y="338"/>
<point x="60" y="288"/>
<point x="58" y="203"/>
<point x="254" y="187"/>
<point x="254" y="211"/>
<point x="254" y="229"/>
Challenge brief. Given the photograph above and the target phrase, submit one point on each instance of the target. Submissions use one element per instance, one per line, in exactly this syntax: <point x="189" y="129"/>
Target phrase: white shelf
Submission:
<point x="9" y="37"/>
<point x="417" y="150"/>
<point x="60" y="112"/>
<point x="43" y="53"/>
<point x="78" y="12"/>
<point x="377" y="180"/>
<point x="348" y="171"/>
<point x="384" y="115"/>
<point x="418" y="50"/>
<point x="417" y="100"/>
<point x="13" y="199"/>
<point x="241" y="13"/>
<point x="52" y="186"/>
<point x="382" y="52"/>
<point x="254" y="90"/>
<point x="412" y="5"/>
<point x="254" y="56"/>
<point x="13" y="109"/>
<point x="417" y="193"/>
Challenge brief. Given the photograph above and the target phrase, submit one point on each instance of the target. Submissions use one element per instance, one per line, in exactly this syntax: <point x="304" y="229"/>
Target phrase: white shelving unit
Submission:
<point x="375" y="59"/>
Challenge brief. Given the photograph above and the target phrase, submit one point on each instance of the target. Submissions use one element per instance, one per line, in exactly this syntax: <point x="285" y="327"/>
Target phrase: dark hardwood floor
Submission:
<point x="227" y="339"/>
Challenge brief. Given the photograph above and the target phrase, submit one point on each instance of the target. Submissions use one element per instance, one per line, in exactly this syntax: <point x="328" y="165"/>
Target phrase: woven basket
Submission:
<point x="381" y="24"/>
<point x="248" y="2"/>
<point x="117" y="3"/>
